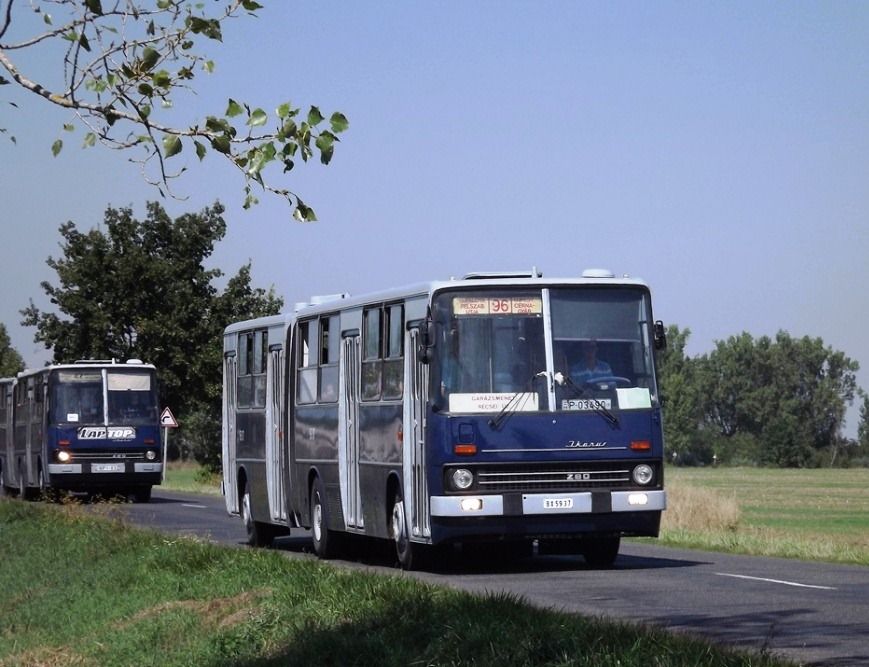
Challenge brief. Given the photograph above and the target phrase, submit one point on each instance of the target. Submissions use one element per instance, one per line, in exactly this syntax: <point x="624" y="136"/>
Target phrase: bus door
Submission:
<point x="415" y="478"/>
<point x="230" y="445"/>
<point x="348" y="431"/>
<point x="275" y="450"/>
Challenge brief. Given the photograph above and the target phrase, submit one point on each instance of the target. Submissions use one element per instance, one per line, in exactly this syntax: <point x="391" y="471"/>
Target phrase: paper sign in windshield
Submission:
<point x="493" y="402"/>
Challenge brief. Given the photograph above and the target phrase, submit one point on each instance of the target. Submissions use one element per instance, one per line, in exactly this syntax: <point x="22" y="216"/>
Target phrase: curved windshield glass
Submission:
<point x="77" y="397"/>
<point x="579" y="348"/>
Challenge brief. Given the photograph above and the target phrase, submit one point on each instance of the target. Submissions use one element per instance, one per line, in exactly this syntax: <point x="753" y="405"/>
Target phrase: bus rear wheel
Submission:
<point x="258" y="534"/>
<point x="323" y="538"/>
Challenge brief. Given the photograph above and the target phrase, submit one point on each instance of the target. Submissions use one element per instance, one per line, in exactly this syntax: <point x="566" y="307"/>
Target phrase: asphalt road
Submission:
<point x="814" y="613"/>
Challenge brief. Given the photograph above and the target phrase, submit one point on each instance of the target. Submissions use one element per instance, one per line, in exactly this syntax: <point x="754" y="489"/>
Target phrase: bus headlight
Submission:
<point x="462" y="478"/>
<point x="150" y="455"/>
<point x="643" y="474"/>
<point x="63" y="456"/>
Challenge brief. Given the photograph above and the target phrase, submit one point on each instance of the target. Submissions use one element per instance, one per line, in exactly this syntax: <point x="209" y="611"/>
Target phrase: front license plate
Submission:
<point x="107" y="467"/>
<point x="557" y="503"/>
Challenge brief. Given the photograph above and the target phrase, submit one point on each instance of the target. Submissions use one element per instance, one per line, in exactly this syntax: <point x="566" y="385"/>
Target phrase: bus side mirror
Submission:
<point x="426" y="342"/>
<point x="660" y="335"/>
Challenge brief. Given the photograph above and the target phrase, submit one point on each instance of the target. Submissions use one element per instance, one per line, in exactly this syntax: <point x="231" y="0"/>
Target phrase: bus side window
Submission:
<point x="393" y="366"/>
<point x="330" y="345"/>
<point x="372" y="354"/>
<point x="306" y="362"/>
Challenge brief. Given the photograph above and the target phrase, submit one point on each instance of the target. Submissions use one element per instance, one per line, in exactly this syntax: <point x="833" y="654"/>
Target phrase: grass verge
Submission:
<point x="820" y="514"/>
<point x="82" y="590"/>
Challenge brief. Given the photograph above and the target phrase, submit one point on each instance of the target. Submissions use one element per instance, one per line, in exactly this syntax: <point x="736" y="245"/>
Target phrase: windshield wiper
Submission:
<point x="516" y="402"/>
<point x="596" y="404"/>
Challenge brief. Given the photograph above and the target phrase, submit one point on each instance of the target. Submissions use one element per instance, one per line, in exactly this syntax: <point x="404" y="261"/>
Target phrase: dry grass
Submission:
<point x="691" y="508"/>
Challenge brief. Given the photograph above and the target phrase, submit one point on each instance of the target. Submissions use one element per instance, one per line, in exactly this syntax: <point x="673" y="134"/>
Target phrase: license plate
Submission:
<point x="587" y="404"/>
<point x="107" y="467"/>
<point x="557" y="503"/>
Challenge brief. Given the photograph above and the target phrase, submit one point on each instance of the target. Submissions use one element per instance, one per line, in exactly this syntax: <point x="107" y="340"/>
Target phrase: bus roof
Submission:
<point x="332" y="303"/>
<point x="130" y="364"/>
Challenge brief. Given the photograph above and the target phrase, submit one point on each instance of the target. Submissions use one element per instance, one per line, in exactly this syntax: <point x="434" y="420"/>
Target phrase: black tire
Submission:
<point x="601" y="551"/>
<point x="258" y="534"/>
<point x="409" y="554"/>
<point x="142" y="494"/>
<point x="24" y="492"/>
<point x="324" y="540"/>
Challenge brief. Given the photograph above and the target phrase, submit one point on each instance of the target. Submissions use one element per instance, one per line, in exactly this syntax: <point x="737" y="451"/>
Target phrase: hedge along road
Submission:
<point x="814" y="613"/>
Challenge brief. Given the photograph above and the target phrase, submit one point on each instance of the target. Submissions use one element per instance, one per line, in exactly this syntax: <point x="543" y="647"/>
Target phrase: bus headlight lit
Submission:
<point x="643" y="474"/>
<point x="472" y="504"/>
<point x="462" y="478"/>
<point x="63" y="456"/>
<point x="150" y="455"/>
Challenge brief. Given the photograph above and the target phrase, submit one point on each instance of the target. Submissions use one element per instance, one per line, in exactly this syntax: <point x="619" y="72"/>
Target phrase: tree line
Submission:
<point x="141" y="289"/>
<point x="761" y="401"/>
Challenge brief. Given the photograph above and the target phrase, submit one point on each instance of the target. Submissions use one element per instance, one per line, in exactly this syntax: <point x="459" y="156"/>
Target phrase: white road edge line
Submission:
<point x="776" y="581"/>
<point x="196" y="507"/>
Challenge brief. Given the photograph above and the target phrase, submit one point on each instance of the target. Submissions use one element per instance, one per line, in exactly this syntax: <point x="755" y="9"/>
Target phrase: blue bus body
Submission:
<point x="513" y="410"/>
<point x="89" y="426"/>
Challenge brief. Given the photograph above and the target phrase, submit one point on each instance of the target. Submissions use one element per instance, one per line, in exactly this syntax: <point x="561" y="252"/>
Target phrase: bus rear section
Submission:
<point x="90" y="427"/>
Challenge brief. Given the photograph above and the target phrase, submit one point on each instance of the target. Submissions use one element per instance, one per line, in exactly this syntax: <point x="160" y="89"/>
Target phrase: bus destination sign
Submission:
<point x="464" y="305"/>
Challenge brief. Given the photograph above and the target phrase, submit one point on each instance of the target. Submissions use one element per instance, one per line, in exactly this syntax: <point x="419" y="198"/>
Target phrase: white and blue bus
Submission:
<point x="500" y="408"/>
<point x="91" y="426"/>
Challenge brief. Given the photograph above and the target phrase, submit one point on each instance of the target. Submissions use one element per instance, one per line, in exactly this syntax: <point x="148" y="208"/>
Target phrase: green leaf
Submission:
<point x="149" y="58"/>
<point x="90" y="139"/>
<point x="69" y="127"/>
<point x="283" y="110"/>
<point x="94" y="6"/>
<point x="172" y="145"/>
<point x="250" y="5"/>
<point x="314" y="116"/>
<point x="208" y="66"/>
<point x="161" y="79"/>
<point x="208" y="27"/>
<point x="85" y="44"/>
<point x="200" y="150"/>
<point x="145" y="111"/>
<point x="339" y="122"/>
<point x="146" y="89"/>
<point x="257" y="118"/>
<point x="71" y="36"/>
<point x="164" y="4"/>
<point x="221" y="144"/>
<point x="233" y="109"/>
<point x="56" y="147"/>
<point x="304" y="213"/>
<point x="47" y="19"/>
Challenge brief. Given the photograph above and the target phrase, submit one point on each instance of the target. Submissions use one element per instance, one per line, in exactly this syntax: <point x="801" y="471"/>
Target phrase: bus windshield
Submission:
<point x="562" y="348"/>
<point x="78" y="397"/>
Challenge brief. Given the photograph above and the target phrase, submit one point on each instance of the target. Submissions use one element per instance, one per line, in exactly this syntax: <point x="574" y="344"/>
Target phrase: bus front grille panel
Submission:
<point x="108" y="456"/>
<point x="560" y="476"/>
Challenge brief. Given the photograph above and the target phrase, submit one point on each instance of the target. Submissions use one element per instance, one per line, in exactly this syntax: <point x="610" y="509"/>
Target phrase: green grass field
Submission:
<point x="80" y="590"/>
<point x="818" y="514"/>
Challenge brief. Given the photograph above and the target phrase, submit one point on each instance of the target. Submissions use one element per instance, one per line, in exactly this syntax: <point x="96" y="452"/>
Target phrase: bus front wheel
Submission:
<point x="601" y="551"/>
<point x="409" y="554"/>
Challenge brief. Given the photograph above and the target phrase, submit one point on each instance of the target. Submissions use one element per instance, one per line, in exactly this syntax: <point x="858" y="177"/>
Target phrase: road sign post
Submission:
<point x="167" y="421"/>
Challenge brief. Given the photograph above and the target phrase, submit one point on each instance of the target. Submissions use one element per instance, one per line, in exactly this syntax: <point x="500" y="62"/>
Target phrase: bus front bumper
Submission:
<point x="531" y="504"/>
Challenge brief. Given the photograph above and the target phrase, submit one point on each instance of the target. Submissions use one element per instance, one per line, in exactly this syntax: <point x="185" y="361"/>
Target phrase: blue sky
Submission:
<point x="718" y="150"/>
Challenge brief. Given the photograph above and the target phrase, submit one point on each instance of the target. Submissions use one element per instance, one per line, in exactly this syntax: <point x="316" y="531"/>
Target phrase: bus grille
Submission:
<point x="111" y="456"/>
<point x="562" y="476"/>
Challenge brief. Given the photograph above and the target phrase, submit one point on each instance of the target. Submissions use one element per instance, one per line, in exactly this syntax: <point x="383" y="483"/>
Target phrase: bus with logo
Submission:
<point x="498" y="409"/>
<point x="91" y="426"/>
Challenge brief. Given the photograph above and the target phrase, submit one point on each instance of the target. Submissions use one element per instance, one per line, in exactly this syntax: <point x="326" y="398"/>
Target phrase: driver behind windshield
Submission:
<point x="589" y="367"/>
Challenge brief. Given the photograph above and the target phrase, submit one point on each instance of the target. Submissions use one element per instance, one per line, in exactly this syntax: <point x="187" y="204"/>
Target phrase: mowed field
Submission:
<point x="818" y="514"/>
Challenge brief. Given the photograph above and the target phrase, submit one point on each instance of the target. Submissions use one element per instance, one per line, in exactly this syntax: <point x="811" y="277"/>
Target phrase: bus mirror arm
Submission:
<point x="660" y="335"/>
<point x="426" y="342"/>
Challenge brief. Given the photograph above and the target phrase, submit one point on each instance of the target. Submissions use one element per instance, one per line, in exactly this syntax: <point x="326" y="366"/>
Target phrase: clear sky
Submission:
<point x="720" y="151"/>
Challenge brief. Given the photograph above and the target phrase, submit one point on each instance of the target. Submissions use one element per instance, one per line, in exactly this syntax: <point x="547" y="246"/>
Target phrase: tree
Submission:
<point x="681" y="401"/>
<point x="10" y="361"/>
<point x="789" y="395"/>
<point x="121" y="68"/>
<point x="139" y="289"/>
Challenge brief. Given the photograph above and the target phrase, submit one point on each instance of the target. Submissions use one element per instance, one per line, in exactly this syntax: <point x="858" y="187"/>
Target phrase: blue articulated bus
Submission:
<point x="92" y="426"/>
<point x="500" y="408"/>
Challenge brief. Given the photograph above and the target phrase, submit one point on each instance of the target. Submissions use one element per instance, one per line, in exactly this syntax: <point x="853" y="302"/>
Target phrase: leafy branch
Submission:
<point x="123" y="66"/>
